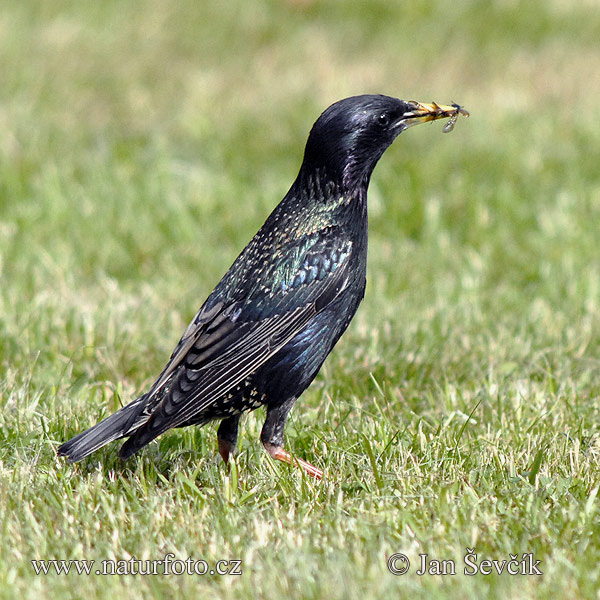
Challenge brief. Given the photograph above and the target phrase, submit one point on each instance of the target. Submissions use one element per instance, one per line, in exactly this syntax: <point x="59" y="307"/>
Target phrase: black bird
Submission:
<point x="263" y="333"/>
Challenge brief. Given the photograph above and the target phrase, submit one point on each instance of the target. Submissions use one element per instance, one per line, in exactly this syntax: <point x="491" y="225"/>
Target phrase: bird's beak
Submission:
<point x="420" y="113"/>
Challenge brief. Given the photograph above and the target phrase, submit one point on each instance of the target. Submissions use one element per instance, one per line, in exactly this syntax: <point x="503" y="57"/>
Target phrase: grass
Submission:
<point x="144" y="143"/>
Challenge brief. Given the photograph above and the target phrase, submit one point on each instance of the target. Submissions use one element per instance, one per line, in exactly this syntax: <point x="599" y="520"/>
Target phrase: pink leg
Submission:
<point x="279" y="453"/>
<point x="225" y="450"/>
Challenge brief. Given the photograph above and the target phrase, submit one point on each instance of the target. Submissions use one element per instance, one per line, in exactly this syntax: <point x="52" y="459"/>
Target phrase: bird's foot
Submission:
<point x="279" y="453"/>
<point x="226" y="449"/>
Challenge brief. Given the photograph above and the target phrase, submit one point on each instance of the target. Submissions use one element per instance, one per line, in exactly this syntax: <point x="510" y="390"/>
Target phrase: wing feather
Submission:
<point x="220" y="349"/>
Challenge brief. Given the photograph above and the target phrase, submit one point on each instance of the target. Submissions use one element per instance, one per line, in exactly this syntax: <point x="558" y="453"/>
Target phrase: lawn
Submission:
<point x="141" y="146"/>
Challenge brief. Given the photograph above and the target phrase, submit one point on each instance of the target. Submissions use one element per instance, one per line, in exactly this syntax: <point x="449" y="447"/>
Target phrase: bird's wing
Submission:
<point x="227" y="342"/>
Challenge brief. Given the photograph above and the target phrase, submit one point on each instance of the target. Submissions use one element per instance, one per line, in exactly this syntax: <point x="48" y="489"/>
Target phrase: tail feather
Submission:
<point x="120" y="424"/>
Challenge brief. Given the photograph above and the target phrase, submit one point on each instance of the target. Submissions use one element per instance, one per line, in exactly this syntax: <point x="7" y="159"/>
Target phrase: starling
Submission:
<point x="265" y="330"/>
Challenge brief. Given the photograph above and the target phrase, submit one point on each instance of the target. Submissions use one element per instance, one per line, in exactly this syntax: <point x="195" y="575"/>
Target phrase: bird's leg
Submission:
<point x="227" y="436"/>
<point x="280" y="454"/>
<point x="271" y="437"/>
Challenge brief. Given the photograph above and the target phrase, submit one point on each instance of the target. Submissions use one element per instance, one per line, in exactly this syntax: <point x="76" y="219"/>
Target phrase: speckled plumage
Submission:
<point x="263" y="333"/>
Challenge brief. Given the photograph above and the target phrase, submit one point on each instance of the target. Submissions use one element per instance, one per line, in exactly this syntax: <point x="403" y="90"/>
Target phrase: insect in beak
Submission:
<point x="423" y="112"/>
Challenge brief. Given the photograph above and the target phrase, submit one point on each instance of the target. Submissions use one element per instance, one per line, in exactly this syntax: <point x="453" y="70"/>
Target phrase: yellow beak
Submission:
<point x="423" y="112"/>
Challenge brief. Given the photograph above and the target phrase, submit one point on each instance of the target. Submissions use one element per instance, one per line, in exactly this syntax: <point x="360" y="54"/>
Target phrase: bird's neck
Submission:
<point x="327" y="191"/>
<point x="316" y="201"/>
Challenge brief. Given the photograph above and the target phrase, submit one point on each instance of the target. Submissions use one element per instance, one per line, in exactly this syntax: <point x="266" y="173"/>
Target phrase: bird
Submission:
<point x="263" y="333"/>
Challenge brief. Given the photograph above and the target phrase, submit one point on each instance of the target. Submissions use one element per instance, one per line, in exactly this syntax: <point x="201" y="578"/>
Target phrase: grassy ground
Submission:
<point x="141" y="146"/>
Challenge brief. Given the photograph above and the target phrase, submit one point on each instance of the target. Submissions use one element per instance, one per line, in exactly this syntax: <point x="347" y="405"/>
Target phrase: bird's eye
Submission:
<point x="384" y="119"/>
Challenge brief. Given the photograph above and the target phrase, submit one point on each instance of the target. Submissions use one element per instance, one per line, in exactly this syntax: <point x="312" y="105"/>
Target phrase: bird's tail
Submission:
<point x="120" y="424"/>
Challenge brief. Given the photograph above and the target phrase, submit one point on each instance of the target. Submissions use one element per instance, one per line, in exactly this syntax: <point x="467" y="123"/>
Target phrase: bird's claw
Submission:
<point x="278" y="453"/>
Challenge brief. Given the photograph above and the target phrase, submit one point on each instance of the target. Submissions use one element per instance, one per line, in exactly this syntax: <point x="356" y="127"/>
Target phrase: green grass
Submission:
<point x="141" y="146"/>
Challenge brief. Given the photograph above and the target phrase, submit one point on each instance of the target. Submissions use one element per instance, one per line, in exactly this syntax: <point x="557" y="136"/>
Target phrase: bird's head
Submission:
<point x="350" y="137"/>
